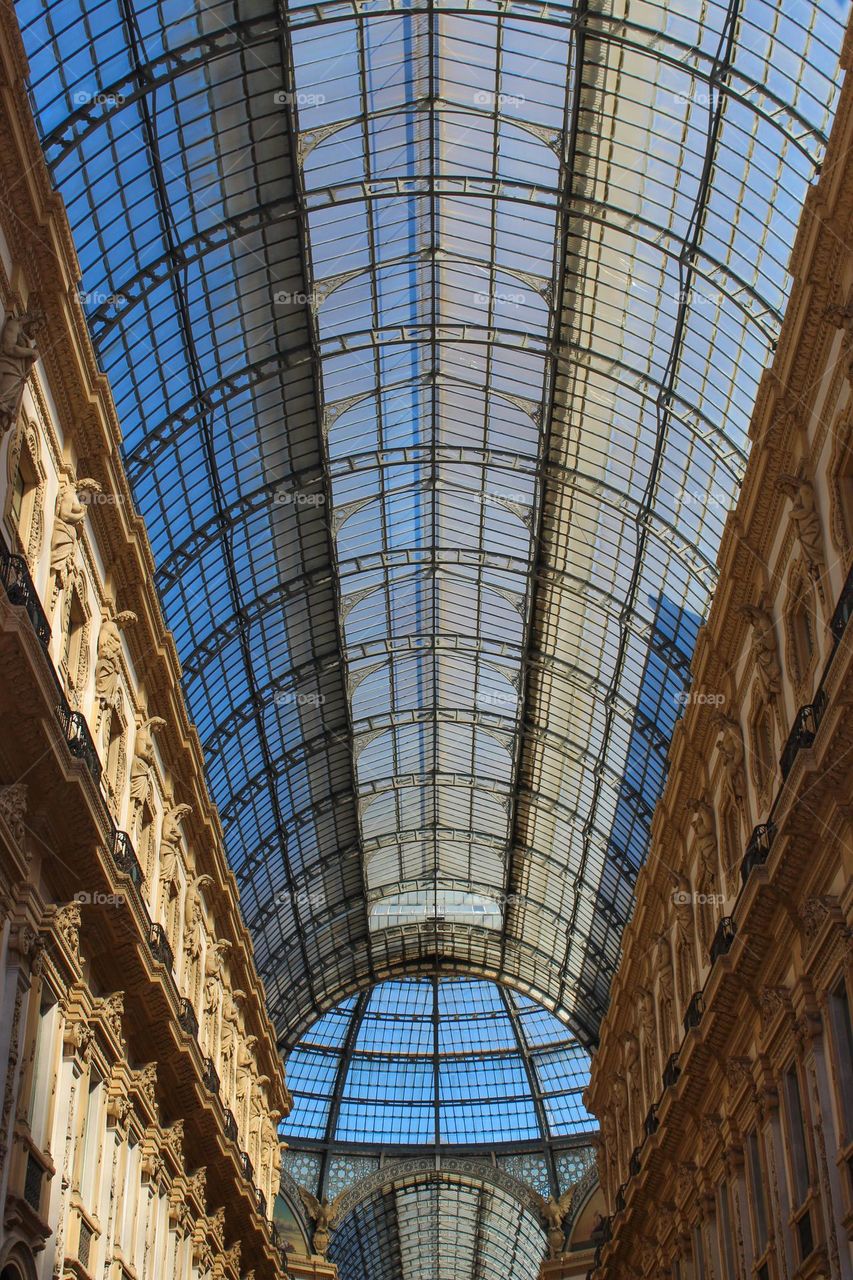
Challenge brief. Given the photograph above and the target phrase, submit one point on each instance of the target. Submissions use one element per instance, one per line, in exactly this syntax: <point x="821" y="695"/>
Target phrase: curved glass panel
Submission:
<point x="442" y="1062"/>
<point x="435" y="1227"/>
<point x="434" y="332"/>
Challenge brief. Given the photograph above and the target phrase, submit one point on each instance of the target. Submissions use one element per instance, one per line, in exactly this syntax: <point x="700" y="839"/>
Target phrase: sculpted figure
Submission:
<point x="70" y="513"/>
<point x="666" y="993"/>
<point x="805" y="519"/>
<point x="170" y="850"/>
<point x="143" y="766"/>
<point x="682" y="900"/>
<point x="648" y="1032"/>
<point x="108" y="665"/>
<point x="631" y="1066"/>
<point x="704" y="824"/>
<point x="842" y="318"/>
<point x="554" y="1214"/>
<point x="18" y="354"/>
<point x="730" y="747"/>
<point x="213" y="963"/>
<point x="764" y="649"/>
<point x="323" y="1216"/>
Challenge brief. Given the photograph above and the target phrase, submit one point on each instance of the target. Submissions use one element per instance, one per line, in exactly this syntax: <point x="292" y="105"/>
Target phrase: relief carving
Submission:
<point x="18" y="354"/>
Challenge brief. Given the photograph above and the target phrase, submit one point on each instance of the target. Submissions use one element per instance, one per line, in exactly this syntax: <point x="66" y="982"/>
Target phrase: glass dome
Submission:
<point x="450" y="1061"/>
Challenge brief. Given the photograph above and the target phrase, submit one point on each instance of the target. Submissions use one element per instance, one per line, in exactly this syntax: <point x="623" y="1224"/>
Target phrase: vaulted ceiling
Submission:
<point x="434" y="330"/>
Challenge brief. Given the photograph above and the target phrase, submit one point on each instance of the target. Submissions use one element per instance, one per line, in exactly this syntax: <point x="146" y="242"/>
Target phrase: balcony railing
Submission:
<point x="21" y="591"/>
<point x="843" y="610"/>
<point x="723" y="939"/>
<point x="758" y="849"/>
<point x="671" y="1071"/>
<point x="651" y="1122"/>
<point x="79" y="739"/>
<point x="246" y="1166"/>
<point x="693" y="1012"/>
<point x="261" y="1202"/>
<point x="230" y="1126"/>
<point x="187" y="1019"/>
<point x="804" y="731"/>
<point x="124" y="856"/>
<point x="620" y="1199"/>
<point x="210" y="1076"/>
<point x="634" y="1162"/>
<point x="159" y="946"/>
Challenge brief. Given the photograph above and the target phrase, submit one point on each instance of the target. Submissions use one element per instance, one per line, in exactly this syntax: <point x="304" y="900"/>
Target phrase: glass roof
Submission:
<point x="437" y="1230"/>
<point x="434" y="331"/>
<point x="449" y="1061"/>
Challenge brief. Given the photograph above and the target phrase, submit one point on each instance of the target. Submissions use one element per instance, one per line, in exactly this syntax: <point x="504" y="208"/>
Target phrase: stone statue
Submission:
<point x="730" y="747"/>
<point x="18" y="354"/>
<point x="631" y="1067"/>
<point x="842" y="318"/>
<point x="213" y="962"/>
<point x="611" y="1152"/>
<point x="764" y="649"/>
<point x="143" y="767"/>
<point x="648" y="1032"/>
<point x="682" y="901"/>
<point x="704" y="824"/>
<point x="70" y="513"/>
<point x="108" y="665"/>
<point x="806" y="520"/>
<point x="170" y="850"/>
<point x="322" y="1215"/>
<point x="554" y="1215"/>
<point x="13" y="808"/>
<point x="666" y="993"/>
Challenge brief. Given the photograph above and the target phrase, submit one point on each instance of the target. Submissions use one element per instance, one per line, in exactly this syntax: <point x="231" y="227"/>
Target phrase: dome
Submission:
<point x="437" y="1060"/>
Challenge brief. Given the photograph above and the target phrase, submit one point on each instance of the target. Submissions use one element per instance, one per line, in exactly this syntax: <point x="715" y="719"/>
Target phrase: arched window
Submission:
<point x="74" y="660"/>
<point x="25" y="494"/>
<point x="801" y="629"/>
<point x="762" y="757"/>
<point x="841" y="488"/>
<point x="731" y="850"/>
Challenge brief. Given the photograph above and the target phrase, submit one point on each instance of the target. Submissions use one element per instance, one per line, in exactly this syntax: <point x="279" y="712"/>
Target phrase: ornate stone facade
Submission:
<point x="734" y="1158"/>
<point x="140" y="1079"/>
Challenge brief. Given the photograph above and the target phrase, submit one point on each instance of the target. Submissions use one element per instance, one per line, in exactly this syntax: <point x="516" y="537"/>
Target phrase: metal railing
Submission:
<point x="158" y="944"/>
<point x="124" y="856"/>
<point x="671" y="1071"/>
<point x="187" y="1018"/>
<point x="804" y="731"/>
<point x="723" y="939"/>
<point x="210" y="1076"/>
<point x="693" y="1012"/>
<point x="758" y="849"/>
<point x="21" y="591"/>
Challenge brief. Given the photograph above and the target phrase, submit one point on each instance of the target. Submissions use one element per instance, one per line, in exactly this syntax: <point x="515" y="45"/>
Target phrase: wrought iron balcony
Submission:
<point x="671" y="1071"/>
<point x="79" y="739"/>
<point x="187" y="1019"/>
<point x="651" y="1122"/>
<point x="803" y="733"/>
<point x="159" y="946"/>
<point x="620" y="1199"/>
<point x="209" y="1075"/>
<point x="694" y="1011"/>
<point x="21" y="591"/>
<point x="246" y="1166"/>
<point x="758" y="849"/>
<point x="843" y="610"/>
<point x="634" y="1162"/>
<point x="124" y="856"/>
<point x="230" y="1126"/>
<point x="261" y="1201"/>
<point x="723" y="939"/>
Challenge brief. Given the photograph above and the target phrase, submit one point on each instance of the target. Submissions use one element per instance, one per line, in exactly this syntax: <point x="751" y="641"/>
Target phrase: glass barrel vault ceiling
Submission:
<point x="434" y="331"/>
